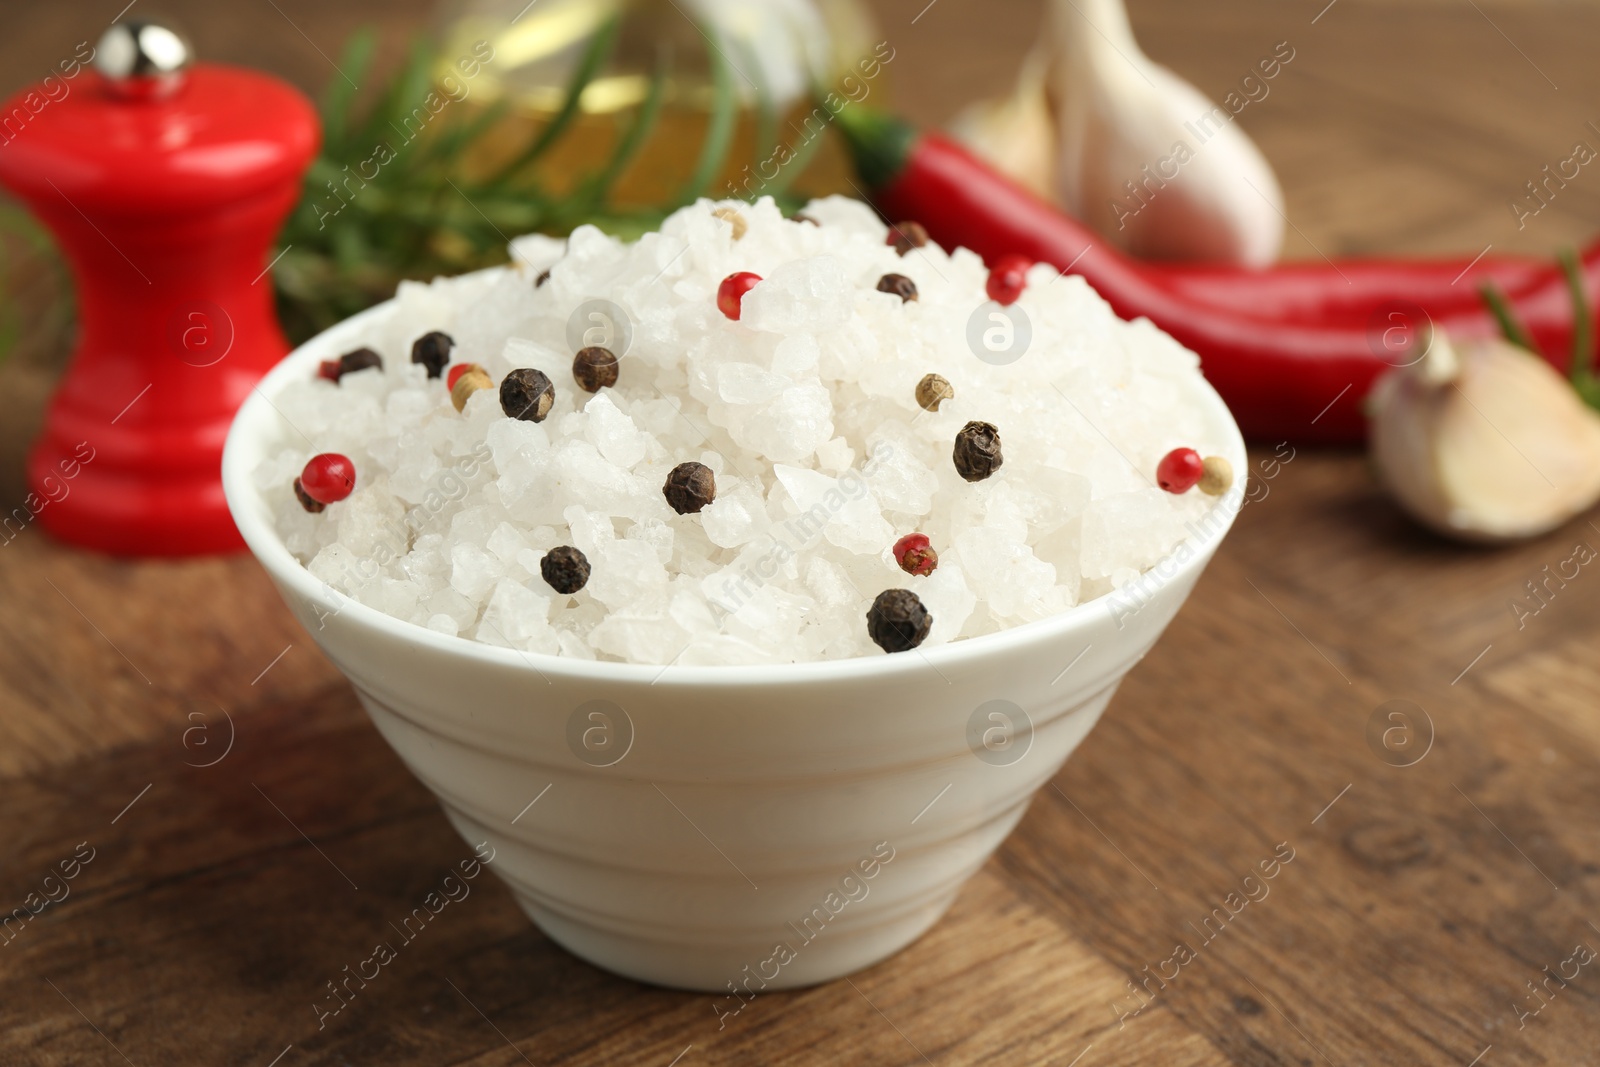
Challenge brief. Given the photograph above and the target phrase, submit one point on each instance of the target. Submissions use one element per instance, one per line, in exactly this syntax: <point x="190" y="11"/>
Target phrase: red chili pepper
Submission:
<point x="1354" y="291"/>
<point x="1301" y="376"/>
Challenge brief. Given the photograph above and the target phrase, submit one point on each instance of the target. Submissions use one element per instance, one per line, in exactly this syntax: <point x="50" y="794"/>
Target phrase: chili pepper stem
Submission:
<point x="879" y="144"/>
<point x="1582" y="369"/>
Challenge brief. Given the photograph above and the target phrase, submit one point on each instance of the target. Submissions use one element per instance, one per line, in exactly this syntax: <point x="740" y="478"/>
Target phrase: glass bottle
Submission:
<point x="763" y="59"/>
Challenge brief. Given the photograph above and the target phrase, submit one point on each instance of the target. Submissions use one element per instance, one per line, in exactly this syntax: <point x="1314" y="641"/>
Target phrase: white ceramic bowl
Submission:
<point x="726" y="827"/>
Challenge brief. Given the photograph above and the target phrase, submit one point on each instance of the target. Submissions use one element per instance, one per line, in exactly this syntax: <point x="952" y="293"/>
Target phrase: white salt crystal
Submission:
<point x="1012" y="580"/>
<point x="517" y="618"/>
<point x="805" y="412"/>
<point x="534" y="253"/>
<point x="623" y="572"/>
<point x="900" y="480"/>
<point x="746" y="383"/>
<point x="590" y="529"/>
<point x="448" y="602"/>
<point x="735" y="518"/>
<point x="657" y="534"/>
<point x="836" y="455"/>
<point x="948" y="599"/>
<point x="810" y="295"/>
<point x="473" y="571"/>
<point x="642" y="632"/>
<point x="793" y="426"/>
<point x="805" y="488"/>
<point x="616" y="437"/>
<point x="506" y="543"/>
<point x="334" y="566"/>
<point x="796" y="356"/>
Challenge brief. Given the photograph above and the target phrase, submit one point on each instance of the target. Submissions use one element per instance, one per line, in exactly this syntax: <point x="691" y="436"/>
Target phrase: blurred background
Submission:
<point x="1387" y="100"/>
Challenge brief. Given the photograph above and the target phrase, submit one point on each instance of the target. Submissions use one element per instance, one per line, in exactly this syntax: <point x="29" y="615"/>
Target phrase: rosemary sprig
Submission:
<point x="766" y="105"/>
<point x="719" y="134"/>
<point x="1503" y="314"/>
<point x="594" y="57"/>
<point x="390" y="197"/>
<point x="628" y="146"/>
<point x="29" y="270"/>
<point x="798" y="160"/>
<point x="1580" y="369"/>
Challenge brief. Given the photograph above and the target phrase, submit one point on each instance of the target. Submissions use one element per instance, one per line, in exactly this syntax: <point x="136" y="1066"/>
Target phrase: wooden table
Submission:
<point x="1421" y="900"/>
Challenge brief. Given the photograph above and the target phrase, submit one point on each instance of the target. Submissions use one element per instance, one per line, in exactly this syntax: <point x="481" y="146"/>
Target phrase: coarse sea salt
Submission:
<point x="805" y="409"/>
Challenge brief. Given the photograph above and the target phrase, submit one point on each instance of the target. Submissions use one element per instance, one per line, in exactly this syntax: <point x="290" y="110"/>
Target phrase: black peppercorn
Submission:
<point x="907" y="235"/>
<point x="594" y="368"/>
<point x="899" y="285"/>
<point x="544" y="276"/>
<point x="527" y="394"/>
<point x="566" y="569"/>
<point x="690" y="487"/>
<point x="305" y="498"/>
<point x="898" y="622"/>
<point x="977" y="452"/>
<point x="360" y="359"/>
<point x="349" y="363"/>
<point x="432" y="350"/>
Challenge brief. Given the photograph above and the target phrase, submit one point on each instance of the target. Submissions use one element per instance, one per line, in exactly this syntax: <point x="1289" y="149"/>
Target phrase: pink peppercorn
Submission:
<point x="328" y="477"/>
<point x="1007" y="279"/>
<point x="730" y="294"/>
<point x="915" y="554"/>
<point x="1180" y="470"/>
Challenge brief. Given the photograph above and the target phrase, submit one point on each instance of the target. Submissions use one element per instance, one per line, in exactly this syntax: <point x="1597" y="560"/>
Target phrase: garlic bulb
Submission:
<point x="1128" y="147"/>
<point x="1484" y="441"/>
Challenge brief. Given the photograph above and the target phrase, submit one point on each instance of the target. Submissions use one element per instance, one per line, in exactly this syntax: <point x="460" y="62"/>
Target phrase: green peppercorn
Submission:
<point x="566" y="569"/>
<point x="899" y="285"/>
<point x="1216" y="476"/>
<point x="977" y="451"/>
<point x="734" y="219"/>
<point x="898" y="622"/>
<point x="690" y="487"/>
<point x="432" y="350"/>
<point x="470" y="379"/>
<point x="594" y="368"/>
<point x="527" y="394"/>
<point x="934" y="390"/>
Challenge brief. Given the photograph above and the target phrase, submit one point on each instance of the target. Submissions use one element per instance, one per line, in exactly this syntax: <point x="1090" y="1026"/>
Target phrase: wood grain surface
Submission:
<point x="1422" y="903"/>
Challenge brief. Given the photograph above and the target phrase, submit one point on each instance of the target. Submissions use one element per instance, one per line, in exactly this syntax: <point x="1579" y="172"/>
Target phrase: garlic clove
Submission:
<point x="1130" y="148"/>
<point x="1485" y="442"/>
<point x="1016" y="133"/>
<point x="1144" y="180"/>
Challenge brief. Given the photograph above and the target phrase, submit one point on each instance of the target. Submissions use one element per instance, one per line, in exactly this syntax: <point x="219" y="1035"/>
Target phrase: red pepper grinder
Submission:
<point x="165" y="185"/>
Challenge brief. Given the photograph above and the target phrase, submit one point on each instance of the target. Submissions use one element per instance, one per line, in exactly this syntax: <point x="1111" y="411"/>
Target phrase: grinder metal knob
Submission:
<point x="143" y="59"/>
